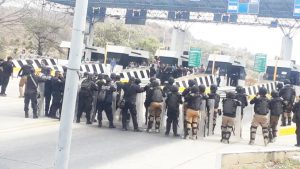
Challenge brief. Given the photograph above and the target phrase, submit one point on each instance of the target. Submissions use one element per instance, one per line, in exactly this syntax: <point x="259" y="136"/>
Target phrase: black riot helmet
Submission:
<point x="195" y="89"/>
<point x="230" y="95"/>
<point x="171" y="80"/>
<point x="239" y="89"/>
<point x="174" y="89"/>
<point x="108" y="80"/>
<point x="131" y="79"/>
<point x="100" y="76"/>
<point x="118" y="77"/>
<point x="113" y="76"/>
<point x="274" y="94"/>
<point x="279" y="86"/>
<point x="137" y="81"/>
<point x="287" y="82"/>
<point x="213" y="88"/>
<point x="152" y="79"/>
<point x="262" y="91"/>
<point x="155" y="83"/>
<point x="191" y="83"/>
<point x="202" y="88"/>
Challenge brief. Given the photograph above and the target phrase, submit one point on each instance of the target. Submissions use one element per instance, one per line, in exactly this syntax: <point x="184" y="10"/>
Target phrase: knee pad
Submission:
<point x="151" y="118"/>
<point x="157" y="119"/>
<point x="253" y="129"/>
<point x="194" y="125"/>
<point x="188" y="125"/>
<point x="223" y="128"/>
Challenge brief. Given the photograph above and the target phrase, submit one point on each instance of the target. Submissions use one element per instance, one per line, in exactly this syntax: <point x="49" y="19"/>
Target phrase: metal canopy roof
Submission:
<point x="268" y="8"/>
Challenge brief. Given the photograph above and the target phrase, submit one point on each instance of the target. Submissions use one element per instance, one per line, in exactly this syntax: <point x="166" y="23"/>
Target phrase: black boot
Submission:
<point x="26" y="115"/>
<point x="111" y="125"/>
<point x="35" y="116"/>
<point x="168" y="127"/>
<point x="175" y="133"/>
<point x="283" y="121"/>
<point x="186" y="133"/>
<point x="298" y="141"/>
<point x="289" y="121"/>
<point x="99" y="123"/>
<point x="150" y="124"/>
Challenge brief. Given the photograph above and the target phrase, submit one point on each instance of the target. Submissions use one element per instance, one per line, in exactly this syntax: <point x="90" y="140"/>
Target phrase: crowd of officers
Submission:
<point x="96" y="94"/>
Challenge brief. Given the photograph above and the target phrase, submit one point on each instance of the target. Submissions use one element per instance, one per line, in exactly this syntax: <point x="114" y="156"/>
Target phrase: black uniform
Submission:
<point x="47" y="94"/>
<point x="85" y="99"/>
<point x="25" y="70"/>
<point x="130" y="91"/>
<point x="57" y="84"/>
<point x="276" y="109"/>
<point x="215" y="97"/>
<point x="31" y="94"/>
<point x="288" y="95"/>
<point x="242" y="98"/>
<point x="173" y="102"/>
<point x="296" y="119"/>
<point x="147" y="102"/>
<point x="106" y="104"/>
<point x="7" y="72"/>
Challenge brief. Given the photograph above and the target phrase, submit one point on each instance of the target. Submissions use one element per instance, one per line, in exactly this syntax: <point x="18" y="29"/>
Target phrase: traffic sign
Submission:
<point x="260" y="62"/>
<point x="195" y="55"/>
<point x="243" y="6"/>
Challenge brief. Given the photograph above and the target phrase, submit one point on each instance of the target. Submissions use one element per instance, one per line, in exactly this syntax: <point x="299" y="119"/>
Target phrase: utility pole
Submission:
<point x="71" y="86"/>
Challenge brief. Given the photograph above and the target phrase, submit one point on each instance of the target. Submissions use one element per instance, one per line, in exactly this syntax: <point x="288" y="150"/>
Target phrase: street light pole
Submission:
<point x="71" y="86"/>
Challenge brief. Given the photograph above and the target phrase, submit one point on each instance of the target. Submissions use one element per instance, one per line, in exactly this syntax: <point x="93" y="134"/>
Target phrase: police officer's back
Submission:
<point x="296" y="119"/>
<point x="241" y="97"/>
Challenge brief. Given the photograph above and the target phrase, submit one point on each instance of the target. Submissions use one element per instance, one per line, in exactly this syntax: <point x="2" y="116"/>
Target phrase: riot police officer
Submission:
<point x="31" y="92"/>
<point x="216" y="97"/>
<point x="57" y="83"/>
<point x="85" y="98"/>
<point x="131" y="89"/>
<point x="191" y="83"/>
<point x="229" y="113"/>
<point x="168" y="86"/>
<point x="147" y="102"/>
<point x="276" y="109"/>
<point x="193" y="100"/>
<point x="261" y="109"/>
<point x="104" y="102"/>
<point x="288" y="95"/>
<point x="242" y="98"/>
<point x="23" y="73"/>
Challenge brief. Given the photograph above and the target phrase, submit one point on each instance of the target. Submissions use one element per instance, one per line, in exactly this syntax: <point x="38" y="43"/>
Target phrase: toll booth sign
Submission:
<point x="297" y="8"/>
<point x="195" y="55"/>
<point x="260" y="63"/>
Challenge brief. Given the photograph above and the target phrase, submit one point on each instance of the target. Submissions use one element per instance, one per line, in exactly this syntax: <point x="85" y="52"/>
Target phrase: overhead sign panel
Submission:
<point x="260" y="62"/>
<point x="297" y="8"/>
<point x="243" y="6"/>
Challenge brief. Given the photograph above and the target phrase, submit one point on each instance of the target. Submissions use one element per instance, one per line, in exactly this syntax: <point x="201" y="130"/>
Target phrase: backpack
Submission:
<point x="229" y="106"/>
<point x="157" y="95"/>
<point x="262" y="107"/>
<point x="288" y="93"/>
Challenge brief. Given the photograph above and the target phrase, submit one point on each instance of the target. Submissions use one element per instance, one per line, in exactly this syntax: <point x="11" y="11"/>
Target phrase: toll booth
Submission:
<point x="167" y="57"/>
<point x="231" y="71"/>
<point x="139" y="56"/>
<point x="284" y="69"/>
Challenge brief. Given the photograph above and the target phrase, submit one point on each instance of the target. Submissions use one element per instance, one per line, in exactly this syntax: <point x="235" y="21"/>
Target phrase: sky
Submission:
<point x="257" y="39"/>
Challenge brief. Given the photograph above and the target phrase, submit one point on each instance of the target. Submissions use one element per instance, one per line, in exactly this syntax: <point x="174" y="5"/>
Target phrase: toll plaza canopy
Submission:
<point x="266" y="8"/>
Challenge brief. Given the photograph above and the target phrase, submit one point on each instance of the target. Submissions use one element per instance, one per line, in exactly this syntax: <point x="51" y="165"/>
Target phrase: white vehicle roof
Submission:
<point x="296" y="68"/>
<point x="140" y="53"/>
<point x="118" y="49"/>
<point x="220" y="58"/>
<point x="280" y="63"/>
<point x="239" y="62"/>
<point x="166" y="53"/>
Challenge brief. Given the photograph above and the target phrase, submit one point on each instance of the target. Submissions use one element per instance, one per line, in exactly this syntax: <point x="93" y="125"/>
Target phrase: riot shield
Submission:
<point x="41" y="98"/>
<point x="211" y="106"/>
<point x="202" y="120"/>
<point x="94" y="106"/>
<point x="238" y="124"/>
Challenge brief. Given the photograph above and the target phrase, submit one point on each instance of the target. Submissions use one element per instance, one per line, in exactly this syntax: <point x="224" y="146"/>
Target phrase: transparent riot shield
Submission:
<point x="180" y="121"/>
<point x="211" y="106"/>
<point x="94" y="106"/>
<point x="238" y="124"/>
<point x="140" y="98"/>
<point x="202" y="120"/>
<point x="41" y="98"/>
<point x="163" y="116"/>
<point x="182" y="118"/>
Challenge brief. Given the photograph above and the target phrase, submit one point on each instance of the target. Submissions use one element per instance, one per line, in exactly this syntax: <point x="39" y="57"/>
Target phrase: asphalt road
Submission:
<point x="31" y="144"/>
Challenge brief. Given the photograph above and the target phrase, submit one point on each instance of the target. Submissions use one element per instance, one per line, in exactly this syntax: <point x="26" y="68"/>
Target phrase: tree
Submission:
<point x="15" y="15"/>
<point x="43" y="34"/>
<point x="150" y="44"/>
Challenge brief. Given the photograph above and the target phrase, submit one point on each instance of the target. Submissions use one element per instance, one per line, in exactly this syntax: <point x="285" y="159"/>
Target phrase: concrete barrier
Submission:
<point x="238" y="160"/>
